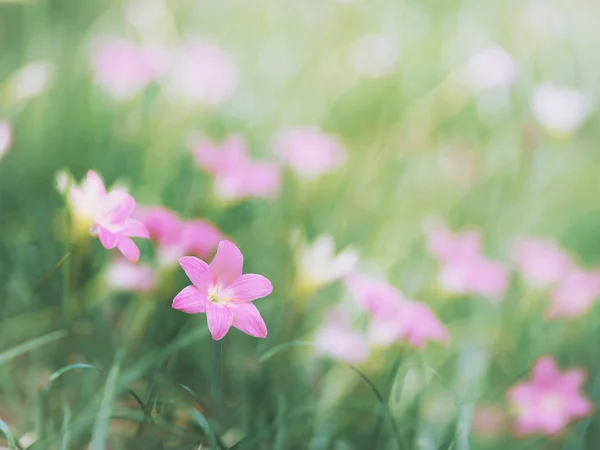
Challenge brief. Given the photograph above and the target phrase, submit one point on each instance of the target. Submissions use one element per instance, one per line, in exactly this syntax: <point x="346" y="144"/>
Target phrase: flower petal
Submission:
<point x="219" y="320"/>
<point x="129" y="249"/>
<point x="248" y="319"/>
<point x="190" y="301"/>
<point x="197" y="271"/>
<point x="107" y="239"/>
<point x="227" y="263"/>
<point x="119" y="206"/>
<point x="94" y="183"/>
<point x="249" y="287"/>
<point x="135" y="228"/>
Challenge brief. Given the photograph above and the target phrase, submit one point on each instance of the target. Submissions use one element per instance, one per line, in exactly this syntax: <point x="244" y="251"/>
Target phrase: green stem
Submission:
<point x="217" y="363"/>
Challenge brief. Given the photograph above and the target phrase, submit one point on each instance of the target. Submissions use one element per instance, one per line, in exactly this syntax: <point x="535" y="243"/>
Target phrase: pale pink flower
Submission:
<point x="488" y="421"/>
<point x="463" y="267"/>
<point x="393" y="317"/>
<point x="221" y="291"/>
<point x="203" y="72"/>
<point x="550" y="401"/>
<point x="122" y="275"/>
<point x="123" y="68"/>
<point x="540" y="262"/>
<point x="108" y="215"/>
<point x="491" y="68"/>
<point x="575" y="294"/>
<point x="31" y="80"/>
<point x="309" y="152"/>
<point x="5" y="137"/>
<point x="374" y="55"/>
<point x="559" y="109"/>
<point x="235" y="174"/>
<point x="337" y="340"/>
<point x="176" y="237"/>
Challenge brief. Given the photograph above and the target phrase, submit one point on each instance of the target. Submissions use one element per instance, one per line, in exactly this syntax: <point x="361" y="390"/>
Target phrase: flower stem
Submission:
<point x="216" y="391"/>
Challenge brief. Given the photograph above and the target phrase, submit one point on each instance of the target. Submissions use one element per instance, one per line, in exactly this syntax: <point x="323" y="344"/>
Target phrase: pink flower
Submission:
<point x="203" y="73"/>
<point x="125" y="69"/>
<point x="309" y="152"/>
<point x="235" y="175"/>
<point x="575" y="295"/>
<point x="176" y="237"/>
<point x="122" y="275"/>
<point x="491" y="68"/>
<point x="463" y="267"/>
<point x="221" y="291"/>
<point x="336" y="339"/>
<point x="5" y="137"/>
<point x="541" y="262"/>
<point x="108" y="214"/>
<point x="393" y="317"/>
<point x="551" y="400"/>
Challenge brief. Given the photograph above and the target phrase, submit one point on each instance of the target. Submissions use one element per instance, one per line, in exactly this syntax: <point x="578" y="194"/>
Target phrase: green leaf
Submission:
<point x="278" y="348"/>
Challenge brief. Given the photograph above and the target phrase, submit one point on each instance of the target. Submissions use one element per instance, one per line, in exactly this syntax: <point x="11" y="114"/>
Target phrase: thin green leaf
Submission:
<point x="278" y="348"/>
<point x="100" y="432"/>
<point x="31" y="345"/>
<point x="13" y="442"/>
<point x="71" y="367"/>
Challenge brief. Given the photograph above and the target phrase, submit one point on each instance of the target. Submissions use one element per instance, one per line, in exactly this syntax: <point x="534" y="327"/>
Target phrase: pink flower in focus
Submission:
<point x="235" y="175"/>
<point x="309" y="152"/>
<point x="550" y="401"/>
<point x="108" y="215"/>
<point x="203" y="73"/>
<point x="575" y="295"/>
<point x="122" y="275"/>
<point x="123" y="68"/>
<point x="541" y="262"/>
<point x="393" y="317"/>
<point x="488" y="421"/>
<point x="221" y="291"/>
<point x="5" y="137"/>
<point x="336" y="339"/>
<point x="176" y="238"/>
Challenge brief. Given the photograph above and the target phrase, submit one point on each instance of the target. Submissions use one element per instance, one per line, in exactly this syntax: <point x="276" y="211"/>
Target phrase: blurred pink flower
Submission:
<point x="235" y="174"/>
<point x="122" y="275"/>
<point x="559" y="109"/>
<point x="176" y="238"/>
<point x="336" y="339"/>
<point x="203" y="72"/>
<point x="123" y="68"/>
<point x="221" y="291"/>
<point x="491" y="68"/>
<point x="541" y="262"/>
<point x="309" y="152"/>
<point x="551" y="400"/>
<point x="109" y="214"/>
<point x="5" y="137"/>
<point x="393" y="317"/>
<point x="463" y="267"/>
<point x="488" y="421"/>
<point x="575" y="294"/>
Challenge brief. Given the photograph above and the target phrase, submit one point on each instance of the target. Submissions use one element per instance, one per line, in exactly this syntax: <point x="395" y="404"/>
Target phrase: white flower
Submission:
<point x="491" y="68"/>
<point x="31" y="80"/>
<point x="5" y="137"/>
<point x="559" y="109"/>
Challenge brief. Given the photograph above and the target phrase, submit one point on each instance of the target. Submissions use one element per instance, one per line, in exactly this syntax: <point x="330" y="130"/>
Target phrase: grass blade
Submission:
<point x="31" y="345"/>
<point x="12" y="441"/>
<point x="100" y="432"/>
<point x="278" y="348"/>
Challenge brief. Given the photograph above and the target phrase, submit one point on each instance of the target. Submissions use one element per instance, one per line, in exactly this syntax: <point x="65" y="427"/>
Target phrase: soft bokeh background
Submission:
<point x="481" y="115"/>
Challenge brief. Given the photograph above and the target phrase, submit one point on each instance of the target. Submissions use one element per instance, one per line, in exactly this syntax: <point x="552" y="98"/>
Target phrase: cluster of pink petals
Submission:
<point x="550" y="401"/>
<point x="336" y="339"/>
<point x="5" y="137"/>
<point x="202" y="72"/>
<point x="221" y="291"/>
<point x="122" y="275"/>
<point x="176" y="237"/>
<point x="111" y="215"/>
<point x="309" y="152"/>
<point x="235" y="174"/>
<point x="543" y="264"/>
<point x="124" y="68"/>
<point x="393" y="317"/>
<point x="464" y="269"/>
